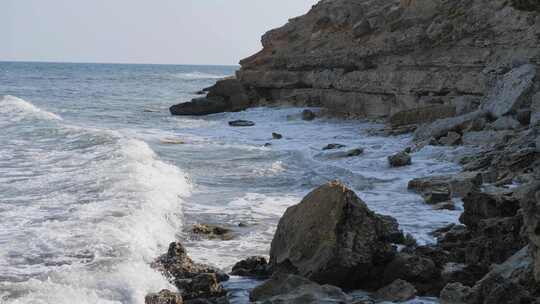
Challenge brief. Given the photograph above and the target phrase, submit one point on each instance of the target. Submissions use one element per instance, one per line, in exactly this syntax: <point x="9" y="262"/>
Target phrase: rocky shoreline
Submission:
<point x="453" y="73"/>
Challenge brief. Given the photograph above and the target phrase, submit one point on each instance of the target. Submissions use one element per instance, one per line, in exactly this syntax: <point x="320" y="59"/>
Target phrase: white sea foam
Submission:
<point x="20" y="108"/>
<point x="84" y="211"/>
<point x="199" y="75"/>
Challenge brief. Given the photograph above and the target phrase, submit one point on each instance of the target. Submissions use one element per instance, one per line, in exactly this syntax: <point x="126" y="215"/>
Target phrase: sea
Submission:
<point x="97" y="178"/>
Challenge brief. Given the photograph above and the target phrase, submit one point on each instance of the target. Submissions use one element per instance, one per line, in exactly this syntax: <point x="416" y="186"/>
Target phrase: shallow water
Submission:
<point x="96" y="178"/>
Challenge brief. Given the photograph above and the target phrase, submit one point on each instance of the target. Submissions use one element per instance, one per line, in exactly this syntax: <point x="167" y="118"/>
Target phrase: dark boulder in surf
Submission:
<point x="400" y="159"/>
<point x="255" y="266"/>
<point x="332" y="237"/>
<point x="227" y="95"/>
<point x="164" y="297"/>
<point x="241" y="123"/>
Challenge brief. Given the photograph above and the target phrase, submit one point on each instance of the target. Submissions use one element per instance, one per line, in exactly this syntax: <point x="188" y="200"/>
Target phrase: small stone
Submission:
<point x="267" y="145"/>
<point x="355" y="152"/>
<point x="399" y="160"/>
<point x="398" y="291"/>
<point x="445" y="206"/>
<point x="212" y="231"/>
<point x="308" y="115"/>
<point x="241" y="123"/>
<point x="163" y="297"/>
<point x="333" y="146"/>
<point x="277" y="136"/>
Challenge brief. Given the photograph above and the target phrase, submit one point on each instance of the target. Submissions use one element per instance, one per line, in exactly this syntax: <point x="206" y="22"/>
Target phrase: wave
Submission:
<point x="99" y="206"/>
<point x="199" y="75"/>
<point x="20" y="109"/>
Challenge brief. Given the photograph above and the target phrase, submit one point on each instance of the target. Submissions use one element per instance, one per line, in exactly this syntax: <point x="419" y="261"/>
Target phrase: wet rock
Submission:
<point x="178" y="265"/>
<point x="355" y="152"/>
<point x="331" y="237"/>
<point x="289" y="288"/>
<point x="465" y="274"/>
<point x="308" y="115"/>
<point x="417" y="270"/>
<point x="344" y="154"/>
<point x="255" y="266"/>
<point x="333" y="146"/>
<point x="163" y="297"/>
<point x="204" y="285"/>
<point x="212" y="231"/>
<point x="277" y="136"/>
<point x="421" y="115"/>
<point x="397" y="291"/>
<point x="241" y="123"/>
<point x="267" y="145"/>
<point x="457" y="293"/>
<point x="509" y="92"/>
<point x="445" y="206"/>
<point x="200" y="106"/>
<point x="451" y="139"/>
<point x="436" y="195"/>
<point x="400" y="159"/>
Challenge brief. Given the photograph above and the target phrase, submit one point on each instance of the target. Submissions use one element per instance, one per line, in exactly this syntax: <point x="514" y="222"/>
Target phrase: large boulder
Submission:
<point x="509" y="92"/>
<point x="332" y="237"/>
<point x="484" y="205"/>
<point x="289" y="288"/>
<point x="418" y="270"/>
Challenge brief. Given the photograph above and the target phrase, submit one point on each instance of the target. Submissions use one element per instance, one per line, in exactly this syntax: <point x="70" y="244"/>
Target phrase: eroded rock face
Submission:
<point x="331" y="237"/>
<point x="376" y="58"/>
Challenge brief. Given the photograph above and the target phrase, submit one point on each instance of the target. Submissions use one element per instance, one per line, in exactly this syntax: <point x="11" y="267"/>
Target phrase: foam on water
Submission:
<point x="199" y="75"/>
<point x="84" y="211"/>
<point x="15" y="109"/>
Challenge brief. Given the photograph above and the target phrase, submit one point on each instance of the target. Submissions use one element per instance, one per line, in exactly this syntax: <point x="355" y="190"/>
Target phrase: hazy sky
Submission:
<point x="140" y="31"/>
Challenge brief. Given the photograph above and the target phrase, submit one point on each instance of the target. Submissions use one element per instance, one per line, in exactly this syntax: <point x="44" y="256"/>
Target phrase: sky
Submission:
<point x="140" y="31"/>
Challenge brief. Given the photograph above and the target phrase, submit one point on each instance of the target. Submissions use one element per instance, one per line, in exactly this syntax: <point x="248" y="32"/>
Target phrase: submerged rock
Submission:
<point x="308" y="115"/>
<point x="400" y="159"/>
<point x="397" y="291"/>
<point x="344" y="154"/>
<point x="331" y="237"/>
<point x="255" y="266"/>
<point x="289" y="288"/>
<point x="277" y="136"/>
<point x="333" y="146"/>
<point x="212" y="231"/>
<point x="241" y="123"/>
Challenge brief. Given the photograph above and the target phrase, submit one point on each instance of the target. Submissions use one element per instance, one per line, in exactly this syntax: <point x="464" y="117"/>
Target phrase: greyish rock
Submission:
<point x="308" y="242"/>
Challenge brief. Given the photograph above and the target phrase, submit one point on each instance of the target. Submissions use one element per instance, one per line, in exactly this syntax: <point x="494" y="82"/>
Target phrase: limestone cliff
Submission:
<point x="377" y="57"/>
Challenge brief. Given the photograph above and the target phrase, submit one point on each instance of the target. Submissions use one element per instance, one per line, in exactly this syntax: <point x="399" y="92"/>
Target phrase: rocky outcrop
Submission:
<point x="289" y="288"/>
<point x="331" y="237"/>
<point x="227" y="95"/>
<point x="377" y="58"/>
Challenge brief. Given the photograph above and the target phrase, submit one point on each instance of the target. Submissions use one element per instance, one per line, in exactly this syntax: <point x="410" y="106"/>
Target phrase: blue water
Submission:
<point x="96" y="178"/>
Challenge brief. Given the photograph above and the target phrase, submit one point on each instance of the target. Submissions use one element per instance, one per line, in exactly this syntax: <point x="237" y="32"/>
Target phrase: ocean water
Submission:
<point x="97" y="178"/>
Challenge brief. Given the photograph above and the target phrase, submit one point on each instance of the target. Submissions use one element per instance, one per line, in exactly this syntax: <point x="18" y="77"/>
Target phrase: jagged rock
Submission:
<point x="451" y="139"/>
<point x="163" y="297"/>
<point x="277" y="136"/>
<point x="204" y="285"/>
<point x="200" y="106"/>
<point x="511" y="282"/>
<point x="289" y="288"/>
<point x="241" y="123"/>
<point x="421" y="115"/>
<point x="457" y="293"/>
<point x="252" y="267"/>
<point x="400" y="159"/>
<point x="308" y="115"/>
<point x="177" y="264"/>
<point x="441" y="127"/>
<point x="505" y="123"/>
<point x="397" y="291"/>
<point x="484" y="205"/>
<point x="333" y="146"/>
<point x="458" y="185"/>
<point x="417" y="270"/>
<point x="212" y="231"/>
<point x="331" y="237"/>
<point x="509" y="92"/>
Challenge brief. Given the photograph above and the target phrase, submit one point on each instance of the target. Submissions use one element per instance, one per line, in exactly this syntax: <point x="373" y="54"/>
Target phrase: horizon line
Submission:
<point x="112" y="63"/>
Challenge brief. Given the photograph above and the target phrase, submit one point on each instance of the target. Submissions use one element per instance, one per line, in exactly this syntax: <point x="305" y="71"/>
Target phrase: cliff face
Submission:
<point x="377" y="57"/>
